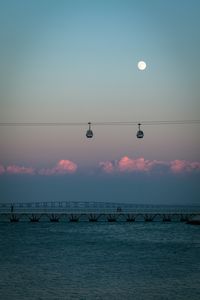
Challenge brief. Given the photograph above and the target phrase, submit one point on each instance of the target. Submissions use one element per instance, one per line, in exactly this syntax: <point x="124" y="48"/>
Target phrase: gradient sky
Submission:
<point x="76" y="61"/>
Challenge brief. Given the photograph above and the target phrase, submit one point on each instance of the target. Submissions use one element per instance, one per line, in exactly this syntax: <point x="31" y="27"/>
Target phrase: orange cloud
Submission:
<point x="13" y="169"/>
<point x="61" y="168"/>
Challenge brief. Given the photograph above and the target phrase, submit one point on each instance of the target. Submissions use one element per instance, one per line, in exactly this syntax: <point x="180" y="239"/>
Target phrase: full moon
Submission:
<point x="142" y="65"/>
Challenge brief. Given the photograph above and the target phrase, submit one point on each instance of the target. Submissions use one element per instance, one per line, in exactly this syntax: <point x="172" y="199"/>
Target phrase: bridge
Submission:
<point x="95" y="211"/>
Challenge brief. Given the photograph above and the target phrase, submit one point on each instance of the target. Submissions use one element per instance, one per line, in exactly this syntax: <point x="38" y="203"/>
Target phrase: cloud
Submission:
<point x="13" y="169"/>
<point x="127" y="164"/>
<point x="124" y="165"/>
<point x="180" y="166"/>
<point x="2" y="169"/>
<point x="107" y="166"/>
<point x="62" y="167"/>
<point x="130" y="165"/>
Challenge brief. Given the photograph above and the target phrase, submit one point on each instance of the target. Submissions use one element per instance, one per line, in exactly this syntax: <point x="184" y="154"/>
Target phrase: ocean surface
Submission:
<point x="99" y="261"/>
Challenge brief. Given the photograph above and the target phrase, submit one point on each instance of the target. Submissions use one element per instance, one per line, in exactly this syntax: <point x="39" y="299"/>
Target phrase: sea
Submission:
<point x="88" y="261"/>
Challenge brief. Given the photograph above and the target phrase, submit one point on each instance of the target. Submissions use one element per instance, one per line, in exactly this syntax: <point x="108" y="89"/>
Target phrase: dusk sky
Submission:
<point x="76" y="61"/>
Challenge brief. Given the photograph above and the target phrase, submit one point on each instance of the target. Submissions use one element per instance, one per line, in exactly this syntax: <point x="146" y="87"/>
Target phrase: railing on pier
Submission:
<point x="93" y="207"/>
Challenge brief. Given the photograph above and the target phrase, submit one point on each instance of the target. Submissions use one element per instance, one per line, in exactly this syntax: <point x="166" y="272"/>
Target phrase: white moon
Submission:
<point x="142" y="65"/>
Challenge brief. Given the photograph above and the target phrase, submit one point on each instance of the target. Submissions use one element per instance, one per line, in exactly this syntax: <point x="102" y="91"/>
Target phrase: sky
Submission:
<point x="76" y="61"/>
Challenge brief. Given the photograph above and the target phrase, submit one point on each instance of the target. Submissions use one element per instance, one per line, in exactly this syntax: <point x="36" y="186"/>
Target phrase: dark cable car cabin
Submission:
<point x="89" y="133"/>
<point x="140" y="133"/>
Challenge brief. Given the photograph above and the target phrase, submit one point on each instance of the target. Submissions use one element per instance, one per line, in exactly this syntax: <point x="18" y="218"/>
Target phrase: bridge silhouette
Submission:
<point x="95" y="211"/>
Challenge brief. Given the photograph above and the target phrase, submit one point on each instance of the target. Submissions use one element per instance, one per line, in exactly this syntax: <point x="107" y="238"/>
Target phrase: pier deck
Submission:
<point x="95" y="211"/>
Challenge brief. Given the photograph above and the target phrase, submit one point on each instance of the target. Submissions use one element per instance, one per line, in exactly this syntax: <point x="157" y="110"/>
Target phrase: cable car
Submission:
<point x="89" y="133"/>
<point x="140" y="133"/>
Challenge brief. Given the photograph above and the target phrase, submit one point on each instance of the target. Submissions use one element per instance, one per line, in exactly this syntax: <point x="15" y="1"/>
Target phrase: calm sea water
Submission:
<point x="99" y="261"/>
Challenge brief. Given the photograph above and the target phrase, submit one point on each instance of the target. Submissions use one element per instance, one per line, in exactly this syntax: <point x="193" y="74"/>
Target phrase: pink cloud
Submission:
<point x="107" y="166"/>
<point x="13" y="169"/>
<point x="61" y="168"/>
<point x="179" y="166"/>
<point x="123" y="165"/>
<point x="66" y="165"/>
<point x="2" y="169"/>
<point x="126" y="164"/>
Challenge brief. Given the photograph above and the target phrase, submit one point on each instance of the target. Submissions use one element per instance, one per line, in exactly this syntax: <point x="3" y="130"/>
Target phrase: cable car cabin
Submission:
<point x="89" y="134"/>
<point x="140" y="134"/>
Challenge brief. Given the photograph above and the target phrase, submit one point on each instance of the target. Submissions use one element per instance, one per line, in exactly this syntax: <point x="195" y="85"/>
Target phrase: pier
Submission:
<point x="74" y="212"/>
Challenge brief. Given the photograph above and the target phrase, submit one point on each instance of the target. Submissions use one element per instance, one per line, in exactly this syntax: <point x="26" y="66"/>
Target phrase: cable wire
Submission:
<point x="117" y="123"/>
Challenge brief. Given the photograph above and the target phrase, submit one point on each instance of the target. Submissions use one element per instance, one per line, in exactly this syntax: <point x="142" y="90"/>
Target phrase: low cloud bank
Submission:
<point x="123" y="165"/>
<point x="126" y="164"/>
<point x="62" y="167"/>
<point x="2" y="169"/>
<point x="13" y="169"/>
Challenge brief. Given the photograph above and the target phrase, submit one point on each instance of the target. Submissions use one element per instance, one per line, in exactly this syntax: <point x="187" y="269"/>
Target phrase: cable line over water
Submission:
<point x="89" y="132"/>
<point x="105" y="123"/>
